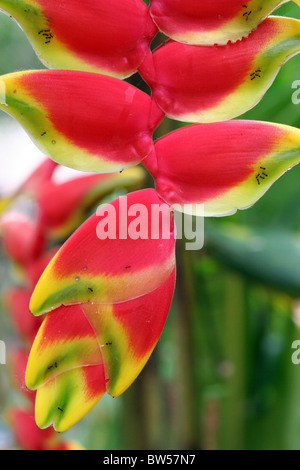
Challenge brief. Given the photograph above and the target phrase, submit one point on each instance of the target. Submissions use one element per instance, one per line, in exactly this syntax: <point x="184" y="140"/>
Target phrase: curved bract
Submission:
<point x="29" y="437"/>
<point x="83" y="351"/>
<point x="83" y="120"/>
<point x="210" y="22"/>
<point x="23" y="238"/>
<point x="217" y="83"/>
<point x="108" y="301"/>
<point x="40" y="177"/>
<point x="106" y="261"/>
<point x="222" y="167"/>
<point x="64" y="206"/>
<point x="109" y="37"/>
<point x="17" y="302"/>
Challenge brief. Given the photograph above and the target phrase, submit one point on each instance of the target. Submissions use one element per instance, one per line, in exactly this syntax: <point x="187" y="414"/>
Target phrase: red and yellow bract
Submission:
<point x="217" y="83"/>
<point x="210" y="22"/>
<point x="222" y="167"/>
<point x="83" y="120"/>
<point x="101" y="36"/>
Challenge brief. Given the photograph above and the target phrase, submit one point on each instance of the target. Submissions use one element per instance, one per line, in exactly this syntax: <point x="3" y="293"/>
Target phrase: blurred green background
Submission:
<point x="221" y="376"/>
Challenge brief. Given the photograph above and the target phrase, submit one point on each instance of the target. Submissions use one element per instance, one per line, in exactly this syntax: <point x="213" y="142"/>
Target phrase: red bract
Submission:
<point x="29" y="437"/>
<point x="18" y="364"/>
<point x="87" y="121"/>
<point x="26" y="432"/>
<point x="103" y="263"/>
<point x="221" y="167"/>
<point x="107" y="291"/>
<point x="85" y="350"/>
<point x="217" y="83"/>
<point x="103" y="36"/>
<point x="22" y="237"/>
<point x="64" y="206"/>
<point x="38" y="178"/>
<point x="108" y="300"/>
<point x="17" y="301"/>
<point x="211" y="22"/>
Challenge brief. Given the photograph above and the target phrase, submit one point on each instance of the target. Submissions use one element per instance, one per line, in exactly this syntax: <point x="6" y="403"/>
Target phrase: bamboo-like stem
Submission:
<point x="188" y="405"/>
<point x="233" y="420"/>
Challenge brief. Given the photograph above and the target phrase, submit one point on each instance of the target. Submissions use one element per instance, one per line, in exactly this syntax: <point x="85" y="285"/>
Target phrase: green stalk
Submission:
<point x="233" y="412"/>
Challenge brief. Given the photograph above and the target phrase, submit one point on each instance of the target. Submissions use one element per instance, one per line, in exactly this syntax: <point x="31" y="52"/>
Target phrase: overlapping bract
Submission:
<point x="113" y="269"/>
<point x="21" y="419"/>
<point x="64" y="206"/>
<point x="215" y="83"/>
<point x="108" y="302"/>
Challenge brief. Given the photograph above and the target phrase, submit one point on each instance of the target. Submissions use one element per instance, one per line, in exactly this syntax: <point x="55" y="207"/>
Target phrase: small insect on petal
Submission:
<point x="82" y="351"/>
<point x="128" y="332"/>
<point x="218" y="83"/>
<point x="222" y="167"/>
<point x="64" y="400"/>
<point x="65" y="341"/>
<point x="210" y="22"/>
<point x="109" y="37"/>
<point x="83" y="120"/>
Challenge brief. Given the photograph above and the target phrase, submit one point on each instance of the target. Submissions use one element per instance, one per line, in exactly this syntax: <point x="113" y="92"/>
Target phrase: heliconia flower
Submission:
<point x="17" y="303"/>
<point x="22" y="237"/>
<point x="29" y="437"/>
<point x="31" y="186"/>
<point x="26" y="432"/>
<point x="85" y="350"/>
<point x="94" y="35"/>
<point x="218" y="83"/>
<point x="212" y="22"/>
<point x="108" y="301"/>
<point x="83" y="120"/>
<point x="223" y="166"/>
<point x="103" y="263"/>
<point x="64" y="206"/>
<point x="38" y="178"/>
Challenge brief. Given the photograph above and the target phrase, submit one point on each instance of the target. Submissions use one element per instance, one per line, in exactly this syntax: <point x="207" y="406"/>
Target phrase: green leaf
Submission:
<point x="270" y="257"/>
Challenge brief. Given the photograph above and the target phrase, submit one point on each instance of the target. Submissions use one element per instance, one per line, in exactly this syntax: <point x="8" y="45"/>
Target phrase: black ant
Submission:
<point x="255" y="74"/>
<point x="258" y="176"/>
<point x="247" y="13"/>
